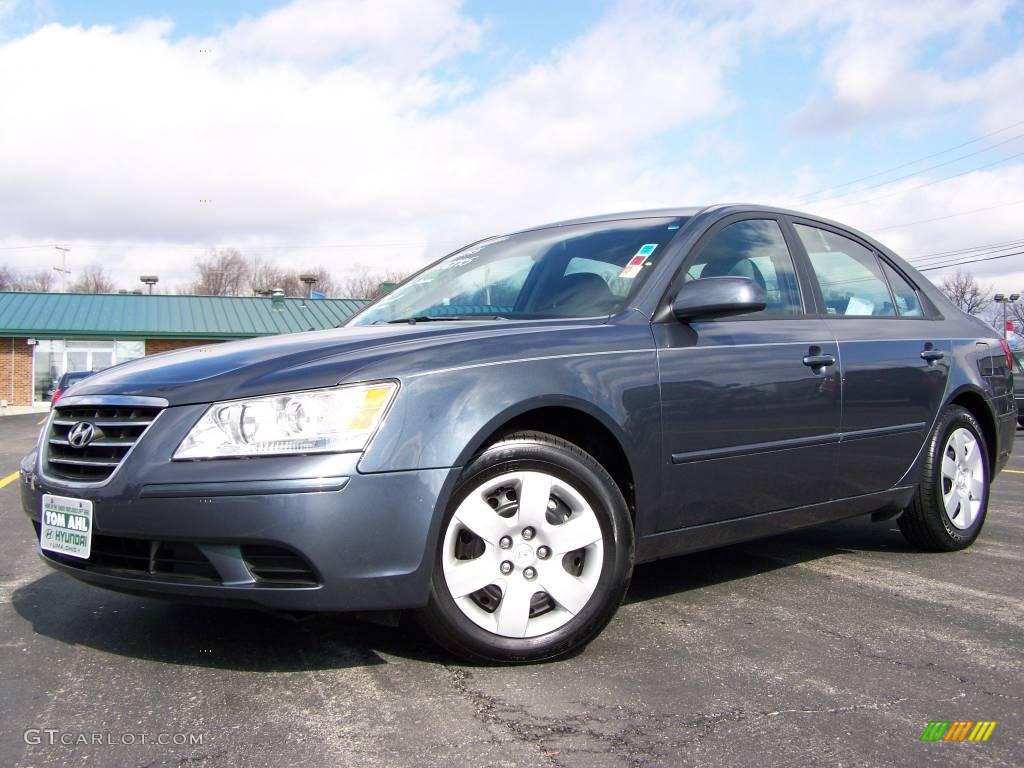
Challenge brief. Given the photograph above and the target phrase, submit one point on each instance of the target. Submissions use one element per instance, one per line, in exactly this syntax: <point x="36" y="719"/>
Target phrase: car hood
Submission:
<point x="291" y="362"/>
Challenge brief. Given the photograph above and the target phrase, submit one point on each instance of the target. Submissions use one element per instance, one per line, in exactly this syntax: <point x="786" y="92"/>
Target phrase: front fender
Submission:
<point x="441" y="417"/>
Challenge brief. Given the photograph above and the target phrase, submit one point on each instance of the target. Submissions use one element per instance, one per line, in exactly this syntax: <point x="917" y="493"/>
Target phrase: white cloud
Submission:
<point x="872" y="67"/>
<point x="119" y="133"/>
<point x="349" y="123"/>
<point x="381" y="33"/>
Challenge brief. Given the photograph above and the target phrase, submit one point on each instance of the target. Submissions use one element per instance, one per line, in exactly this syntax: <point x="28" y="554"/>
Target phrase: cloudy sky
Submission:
<point x="382" y="133"/>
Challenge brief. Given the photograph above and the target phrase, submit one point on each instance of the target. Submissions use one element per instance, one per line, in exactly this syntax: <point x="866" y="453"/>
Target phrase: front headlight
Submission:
<point x="318" y="421"/>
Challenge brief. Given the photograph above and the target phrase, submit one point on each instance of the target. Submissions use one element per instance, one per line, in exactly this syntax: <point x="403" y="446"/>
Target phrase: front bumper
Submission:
<point x="367" y="538"/>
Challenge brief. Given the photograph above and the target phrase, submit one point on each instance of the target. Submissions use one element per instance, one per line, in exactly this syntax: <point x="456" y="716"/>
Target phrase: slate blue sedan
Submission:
<point x="493" y="445"/>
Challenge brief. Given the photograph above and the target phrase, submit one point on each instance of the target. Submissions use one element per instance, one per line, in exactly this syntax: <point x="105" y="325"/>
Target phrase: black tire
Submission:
<point x="925" y="523"/>
<point x="446" y="623"/>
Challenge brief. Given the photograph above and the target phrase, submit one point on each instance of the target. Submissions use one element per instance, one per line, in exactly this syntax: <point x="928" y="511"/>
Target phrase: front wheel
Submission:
<point x="535" y="553"/>
<point x="948" y="510"/>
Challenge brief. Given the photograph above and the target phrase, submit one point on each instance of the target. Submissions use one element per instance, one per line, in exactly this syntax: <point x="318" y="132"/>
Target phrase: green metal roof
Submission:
<point x="87" y="315"/>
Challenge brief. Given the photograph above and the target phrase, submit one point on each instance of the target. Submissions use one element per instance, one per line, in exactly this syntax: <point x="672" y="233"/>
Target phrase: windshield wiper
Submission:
<point x="436" y="318"/>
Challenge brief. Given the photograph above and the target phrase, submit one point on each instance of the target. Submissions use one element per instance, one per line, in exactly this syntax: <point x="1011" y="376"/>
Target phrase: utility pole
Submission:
<point x="63" y="268"/>
<point x="1004" y="300"/>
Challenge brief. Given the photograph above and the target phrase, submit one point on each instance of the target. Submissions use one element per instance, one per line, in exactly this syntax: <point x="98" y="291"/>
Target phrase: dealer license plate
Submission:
<point x="67" y="526"/>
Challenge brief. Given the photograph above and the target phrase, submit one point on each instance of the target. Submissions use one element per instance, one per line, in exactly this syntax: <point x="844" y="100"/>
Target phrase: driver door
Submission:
<point x="750" y="424"/>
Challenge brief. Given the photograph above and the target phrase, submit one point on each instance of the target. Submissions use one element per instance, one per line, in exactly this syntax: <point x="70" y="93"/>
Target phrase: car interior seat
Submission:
<point x="581" y="293"/>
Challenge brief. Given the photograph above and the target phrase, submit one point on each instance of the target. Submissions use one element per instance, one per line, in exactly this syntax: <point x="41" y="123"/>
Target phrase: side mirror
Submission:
<point x="718" y="297"/>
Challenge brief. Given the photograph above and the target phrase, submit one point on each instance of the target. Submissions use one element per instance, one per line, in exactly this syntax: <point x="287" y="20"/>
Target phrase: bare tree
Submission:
<point x="8" y="278"/>
<point x="267" y="276"/>
<point x="223" y="272"/>
<point x="227" y="272"/>
<point x="94" y="279"/>
<point x="40" y="281"/>
<point x="966" y="292"/>
<point x="367" y="285"/>
<point x="325" y="282"/>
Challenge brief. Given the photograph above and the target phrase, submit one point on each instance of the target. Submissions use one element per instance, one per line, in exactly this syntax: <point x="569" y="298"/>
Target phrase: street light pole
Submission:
<point x="1003" y="299"/>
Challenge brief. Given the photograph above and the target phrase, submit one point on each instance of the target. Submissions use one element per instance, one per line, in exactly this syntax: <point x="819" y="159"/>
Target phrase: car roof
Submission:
<point x="722" y="209"/>
<point x="693" y="210"/>
<point x="651" y="213"/>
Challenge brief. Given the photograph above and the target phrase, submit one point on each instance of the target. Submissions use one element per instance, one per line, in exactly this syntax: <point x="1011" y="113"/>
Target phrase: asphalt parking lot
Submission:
<point x="834" y="646"/>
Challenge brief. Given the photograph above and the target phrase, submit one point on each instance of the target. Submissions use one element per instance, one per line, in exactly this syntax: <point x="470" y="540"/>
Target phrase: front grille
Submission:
<point x="163" y="560"/>
<point x="278" y="566"/>
<point x="116" y="428"/>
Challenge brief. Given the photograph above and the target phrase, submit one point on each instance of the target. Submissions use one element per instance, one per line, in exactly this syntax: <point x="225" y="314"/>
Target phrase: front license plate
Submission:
<point x="67" y="526"/>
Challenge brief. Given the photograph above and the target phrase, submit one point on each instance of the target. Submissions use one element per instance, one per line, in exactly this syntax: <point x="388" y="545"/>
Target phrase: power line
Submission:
<point x="969" y="248"/>
<point x="908" y="163"/>
<point x="975" y="254"/>
<point x="921" y="186"/>
<point x="924" y="170"/>
<point x="970" y="261"/>
<point x="948" y="216"/>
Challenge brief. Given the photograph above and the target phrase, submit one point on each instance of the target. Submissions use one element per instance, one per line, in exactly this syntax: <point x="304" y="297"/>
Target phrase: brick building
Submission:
<point x="42" y="335"/>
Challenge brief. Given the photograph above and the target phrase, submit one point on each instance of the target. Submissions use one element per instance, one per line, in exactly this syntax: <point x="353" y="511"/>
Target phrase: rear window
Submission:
<point x="72" y="378"/>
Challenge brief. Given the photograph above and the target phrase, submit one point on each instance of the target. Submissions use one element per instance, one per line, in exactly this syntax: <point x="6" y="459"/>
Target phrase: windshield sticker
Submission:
<point x="633" y="267"/>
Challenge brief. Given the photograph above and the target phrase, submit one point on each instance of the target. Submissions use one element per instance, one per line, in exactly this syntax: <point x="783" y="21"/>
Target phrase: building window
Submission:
<point x="52" y="358"/>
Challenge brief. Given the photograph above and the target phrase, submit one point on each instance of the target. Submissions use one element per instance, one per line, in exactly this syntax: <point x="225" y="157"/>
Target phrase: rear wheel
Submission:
<point x="535" y="553"/>
<point x="948" y="510"/>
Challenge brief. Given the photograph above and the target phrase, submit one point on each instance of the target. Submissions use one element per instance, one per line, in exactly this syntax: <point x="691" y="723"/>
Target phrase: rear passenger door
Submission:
<point x="894" y="367"/>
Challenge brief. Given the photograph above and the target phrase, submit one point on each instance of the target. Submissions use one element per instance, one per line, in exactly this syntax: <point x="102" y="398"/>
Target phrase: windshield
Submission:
<point x="579" y="270"/>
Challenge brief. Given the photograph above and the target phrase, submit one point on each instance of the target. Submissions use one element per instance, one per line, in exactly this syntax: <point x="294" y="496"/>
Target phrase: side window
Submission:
<point x="851" y="280"/>
<point x="907" y="302"/>
<point x="756" y="249"/>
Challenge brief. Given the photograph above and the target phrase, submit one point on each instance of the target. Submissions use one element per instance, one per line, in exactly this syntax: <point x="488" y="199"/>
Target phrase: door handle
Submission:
<point x="817" y="362"/>
<point x="931" y="355"/>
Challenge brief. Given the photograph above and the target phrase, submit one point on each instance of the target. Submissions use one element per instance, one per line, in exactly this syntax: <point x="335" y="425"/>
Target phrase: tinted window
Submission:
<point x="849" y="275"/>
<point x="754" y="249"/>
<point x="568" y="271"/>
<point x="610" y="273"/>
<point x="907" y="302"/>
